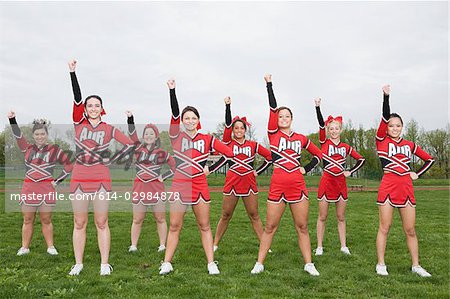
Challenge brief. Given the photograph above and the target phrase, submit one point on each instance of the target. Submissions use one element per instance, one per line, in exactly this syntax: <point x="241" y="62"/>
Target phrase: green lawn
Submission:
<point x="136" y="275"/>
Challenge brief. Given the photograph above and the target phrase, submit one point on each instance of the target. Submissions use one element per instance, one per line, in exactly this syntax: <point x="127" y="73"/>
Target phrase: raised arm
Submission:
<point x="78" y="109"/>
<point x="131" y="127"/>
<point x="21" y="141"/>
<point x="382" y="128"/>
<point x="322" y="133"/>
<point x="227" y="130"/>
<point x="273" y="117"/>
<point x="174" y="129"/>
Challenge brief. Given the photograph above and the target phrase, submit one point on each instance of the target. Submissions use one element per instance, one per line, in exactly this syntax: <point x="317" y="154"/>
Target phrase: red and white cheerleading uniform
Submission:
<point x="149" y="162"/>
<point x="91" y="173"/>
<point x="240" y="178"/>
<point x="396" y="187"/>
<point x="39" y="166"/>
<point x="333" y="184"/>
<point x="287" y="181"/>
<point x="191" y="154"/>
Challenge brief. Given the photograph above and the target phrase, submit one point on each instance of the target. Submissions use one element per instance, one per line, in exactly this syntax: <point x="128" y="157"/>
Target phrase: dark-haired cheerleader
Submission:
<point x="189" y="186"/>
<point x="287" y="185"/>
<point x="148" y="187"/>
<point x="396" y="188"/>
<point x="91" y="180"/>
<point x="240" y="180"/>
<point x="38" y="187"/>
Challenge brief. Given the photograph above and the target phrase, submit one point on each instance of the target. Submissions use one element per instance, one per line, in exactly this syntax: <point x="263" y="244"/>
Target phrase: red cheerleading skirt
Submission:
<point x="240" y="185"/>
<point x="189" y="191"/>
<point x="332" y="188"/>
<point x="396" y="190"/>
<point x="90" y="179"/>
<point x="148" y="193"/>
<point x="286" y="186"/>
<point x="37" y="193"/>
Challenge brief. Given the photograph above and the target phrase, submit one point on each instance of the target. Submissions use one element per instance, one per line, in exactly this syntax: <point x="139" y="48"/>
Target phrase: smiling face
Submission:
<point x="40" y="137"/>
<point x="239" y="130"/>
<point x="395" y="127"/>
<point x="190" y="121"/>
<point x="284" y="119"/>
<point x="334" y="129"/>
<point x="149" y="136"/>
<point x="93" y="108"/>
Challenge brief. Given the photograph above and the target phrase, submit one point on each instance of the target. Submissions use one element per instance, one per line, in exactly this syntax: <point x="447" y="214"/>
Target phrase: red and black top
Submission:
<point x="395" y="155"/>
<point x="149" y="160"/>
<point x="92" y="142"/>
<point x="244" y="153"/>
<point x="40" y="162"/>
<point x="191" y="153"/>
<point x="286" y="148"/>
<point x="335" y="155"/>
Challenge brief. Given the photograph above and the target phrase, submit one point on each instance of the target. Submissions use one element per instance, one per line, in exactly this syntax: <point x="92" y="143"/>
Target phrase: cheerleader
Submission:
<point x="396" y="188"/>
<point x="333" y="186"/>
<point x="38" y="189"/>
<point x="91" y="178"/>
<point x="287" y="185"/>
<point x="148" y="187"/>
<point x="189" y="185"/>
<point x="241" y="177"/>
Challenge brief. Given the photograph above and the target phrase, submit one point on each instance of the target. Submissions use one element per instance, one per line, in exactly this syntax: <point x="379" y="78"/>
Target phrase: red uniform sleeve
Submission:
<point x="315" y="151"/>
<point x="261" y="150"/>
<point x="221" y="148"/>
<point x="172" y="165"/>
<point x="382" y="130"/>
<point x="123" y="139"/>
<point x="273" y="121"/>
<point x="227" y="134"/>
<point x="64" y="160"/>
<point x="429" y="160"/>
<point x="355" y="155"/>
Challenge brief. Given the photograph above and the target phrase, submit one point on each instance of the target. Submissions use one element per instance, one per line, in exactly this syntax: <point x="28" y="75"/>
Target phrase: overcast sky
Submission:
<point x="341" y="52"/>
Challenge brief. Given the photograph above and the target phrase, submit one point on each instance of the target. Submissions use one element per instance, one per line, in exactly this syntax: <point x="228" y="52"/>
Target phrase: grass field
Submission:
<point x="136" y="275"/>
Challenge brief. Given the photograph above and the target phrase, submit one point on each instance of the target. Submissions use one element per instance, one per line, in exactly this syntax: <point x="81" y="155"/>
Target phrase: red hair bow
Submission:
<point x="331" y="118"/>
<point x="243" y="119"/>
<point x="199" y="125"/>
<point x="103" y="112"/>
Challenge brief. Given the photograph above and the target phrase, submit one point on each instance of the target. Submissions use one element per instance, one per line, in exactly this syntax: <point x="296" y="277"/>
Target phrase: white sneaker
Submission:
<point x="420" y="271"/>
<point x="161" y="248"/>
<point x="105" y="269"/>
<point x="52" y="250"/>
<point x="213" y="269"/>
<point x="76" y="269"/>
<point x="132" y="248"/>
<point x="319" y="250"/>
<point x="165" y="268"/>
<point x="215" y="247"/>
<point x="23" y="251"/>
<point x="258" y="268"/>
<point x="345" y="250"/>
<point x="311" y="269"/>
<point x="381" y="270"/>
